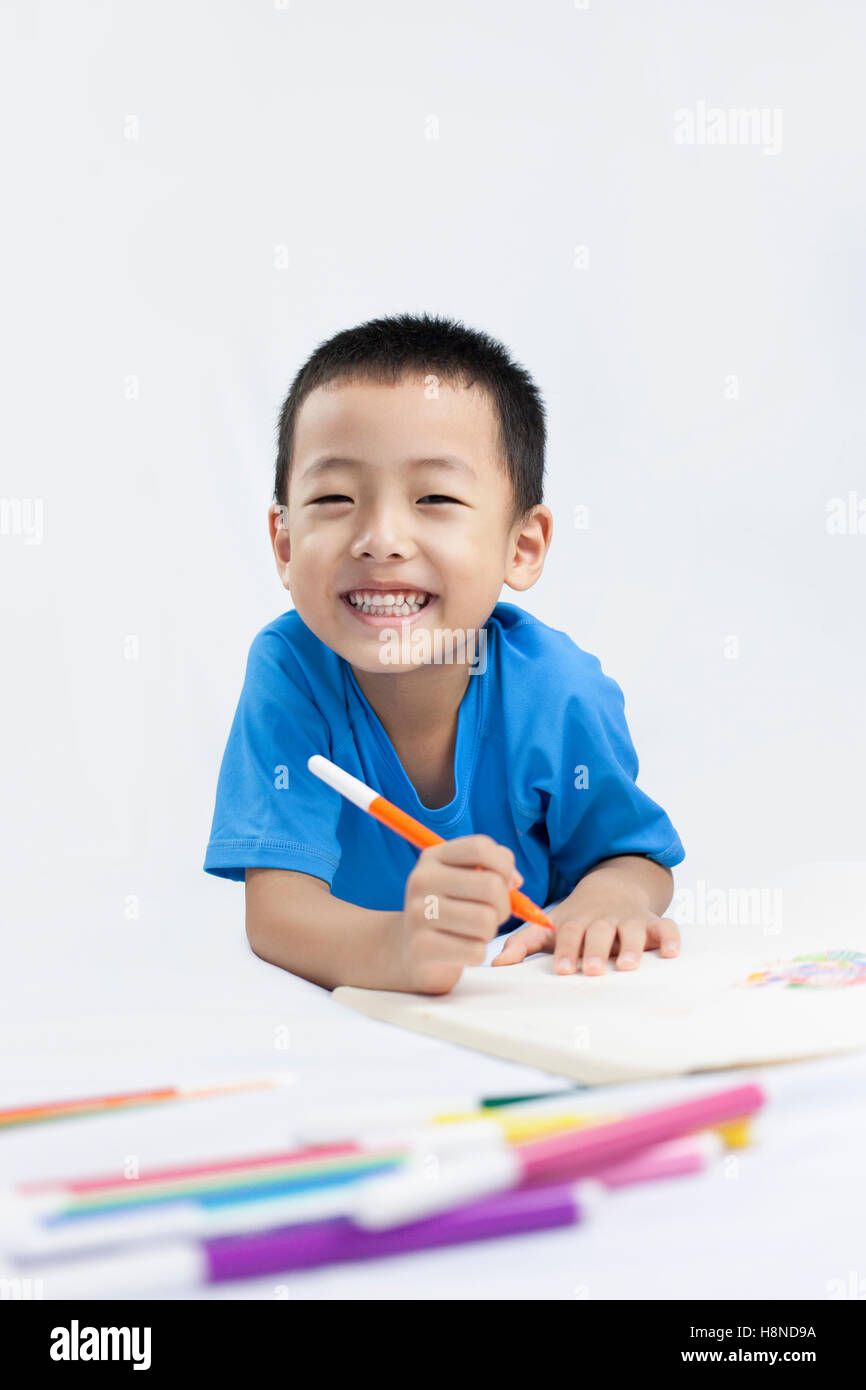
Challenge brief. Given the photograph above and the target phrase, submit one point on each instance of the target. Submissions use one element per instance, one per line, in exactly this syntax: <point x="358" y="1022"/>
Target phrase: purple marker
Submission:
<point x="184" y="1264"/>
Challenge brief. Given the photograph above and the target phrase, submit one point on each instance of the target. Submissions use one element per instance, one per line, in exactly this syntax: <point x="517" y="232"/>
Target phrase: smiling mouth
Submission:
<point x="390" y="603"/>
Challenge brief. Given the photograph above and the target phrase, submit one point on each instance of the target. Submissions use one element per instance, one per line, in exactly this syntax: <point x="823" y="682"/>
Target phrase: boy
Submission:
<point x="409" y="482"/>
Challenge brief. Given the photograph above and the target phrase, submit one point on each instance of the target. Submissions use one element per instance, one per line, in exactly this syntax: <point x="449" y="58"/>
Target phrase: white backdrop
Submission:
<point x="199" y="193"/>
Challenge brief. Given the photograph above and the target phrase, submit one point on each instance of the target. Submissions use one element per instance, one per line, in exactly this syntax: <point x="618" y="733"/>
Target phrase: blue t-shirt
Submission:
<point x="543" y="763"/>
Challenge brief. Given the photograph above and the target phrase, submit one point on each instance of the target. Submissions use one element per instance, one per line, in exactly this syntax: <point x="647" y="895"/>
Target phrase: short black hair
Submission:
<point x="388" y="348"/>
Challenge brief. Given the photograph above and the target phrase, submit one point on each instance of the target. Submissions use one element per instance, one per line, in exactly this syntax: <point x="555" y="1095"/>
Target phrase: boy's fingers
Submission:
<point x="596" y="945"/>
<point x="452" y="948"/>
<point x="569" y="936"/>
<point x="523" y="943"/>
<point x="666" y="934"/>
<point x="632" y="939"/>
<point x="468" y="885"/>
<point x="478" y="920"/>
<point x="481" y="850"/>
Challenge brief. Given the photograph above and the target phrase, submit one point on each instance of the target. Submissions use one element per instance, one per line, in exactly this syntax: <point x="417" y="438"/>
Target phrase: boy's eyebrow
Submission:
<point x="331" y="461"/>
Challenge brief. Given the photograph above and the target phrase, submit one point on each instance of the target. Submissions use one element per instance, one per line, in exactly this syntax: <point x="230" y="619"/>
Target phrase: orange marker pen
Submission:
<point x="419" y="835"/>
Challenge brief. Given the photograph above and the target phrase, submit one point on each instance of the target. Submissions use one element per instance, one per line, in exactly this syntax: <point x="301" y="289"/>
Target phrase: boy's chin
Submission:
<point x="363" y="660"/>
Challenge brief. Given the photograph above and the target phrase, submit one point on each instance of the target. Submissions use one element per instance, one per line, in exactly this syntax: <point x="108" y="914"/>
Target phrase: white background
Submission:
<point x="162" y="161"/>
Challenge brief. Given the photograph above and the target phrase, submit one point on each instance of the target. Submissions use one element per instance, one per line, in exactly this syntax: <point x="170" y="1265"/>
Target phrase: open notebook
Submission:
<point x="734" y="997"/>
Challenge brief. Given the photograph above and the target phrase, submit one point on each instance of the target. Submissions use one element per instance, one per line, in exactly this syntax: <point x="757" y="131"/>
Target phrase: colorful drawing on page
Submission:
<point x="823" y="970"/>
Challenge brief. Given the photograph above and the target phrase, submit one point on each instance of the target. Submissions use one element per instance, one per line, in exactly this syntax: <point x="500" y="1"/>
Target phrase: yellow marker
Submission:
<point x="737" y="1134"/>
<point x="516" y="1127"/>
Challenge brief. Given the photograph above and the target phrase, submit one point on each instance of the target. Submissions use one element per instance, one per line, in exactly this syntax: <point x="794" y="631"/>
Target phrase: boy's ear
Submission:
<point x="278" y="527"/>
<point x="529" y="547"/>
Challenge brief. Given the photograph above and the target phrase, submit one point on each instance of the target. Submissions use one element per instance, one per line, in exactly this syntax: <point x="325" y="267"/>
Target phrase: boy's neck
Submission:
<point x="419" y="712"/>
<point x="415" y="704"/>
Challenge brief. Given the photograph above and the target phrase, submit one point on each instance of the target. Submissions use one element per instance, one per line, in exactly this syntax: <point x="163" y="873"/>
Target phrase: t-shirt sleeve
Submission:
<point x="271" y="811"/>
<point x="599" y="811"/>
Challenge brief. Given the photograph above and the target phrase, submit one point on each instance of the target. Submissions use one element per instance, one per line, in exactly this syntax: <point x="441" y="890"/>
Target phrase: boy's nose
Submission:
<point x="383" y="540"/>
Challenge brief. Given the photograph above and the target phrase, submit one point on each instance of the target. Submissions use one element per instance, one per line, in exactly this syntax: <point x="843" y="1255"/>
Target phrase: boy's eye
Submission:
<point x="339" y="497"/>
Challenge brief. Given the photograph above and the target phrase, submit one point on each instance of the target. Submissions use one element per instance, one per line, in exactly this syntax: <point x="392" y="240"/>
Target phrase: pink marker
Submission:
<point x="414" y="1193"/>
<point x="693" y="1154"/>
<point x="576" y="1152"/>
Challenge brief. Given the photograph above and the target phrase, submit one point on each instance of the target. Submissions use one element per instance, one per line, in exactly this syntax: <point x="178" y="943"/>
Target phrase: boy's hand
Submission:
<point x="618" y="924"/>
<point x="452" y="909"/>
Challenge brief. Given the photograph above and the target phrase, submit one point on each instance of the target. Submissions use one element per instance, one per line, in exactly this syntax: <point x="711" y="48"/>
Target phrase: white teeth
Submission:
<point x="399" y="604"/>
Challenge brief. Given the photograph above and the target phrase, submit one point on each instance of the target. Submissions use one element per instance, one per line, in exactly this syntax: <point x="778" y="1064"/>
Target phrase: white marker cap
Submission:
<point x="349" y="787"/>
<point x="422" y="1189"/>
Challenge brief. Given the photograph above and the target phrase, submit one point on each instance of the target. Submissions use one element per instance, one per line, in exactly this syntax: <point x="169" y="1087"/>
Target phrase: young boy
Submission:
<point x="408" y="489"/>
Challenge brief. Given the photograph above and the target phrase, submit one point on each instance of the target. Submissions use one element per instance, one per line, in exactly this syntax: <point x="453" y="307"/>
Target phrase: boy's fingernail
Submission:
<point x="564" y="966"/>
<point x="670" y="948"/>
<point x="516" y="879"/>
<point x="628" y="958"/>
<point x="591" y="964"/>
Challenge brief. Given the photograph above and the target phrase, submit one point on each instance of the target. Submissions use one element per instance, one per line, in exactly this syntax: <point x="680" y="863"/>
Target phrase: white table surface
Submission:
<point x="93" y="1003"/>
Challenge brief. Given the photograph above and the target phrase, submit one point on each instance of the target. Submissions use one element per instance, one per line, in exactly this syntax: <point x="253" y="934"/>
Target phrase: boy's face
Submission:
<point x="388" y="514"/>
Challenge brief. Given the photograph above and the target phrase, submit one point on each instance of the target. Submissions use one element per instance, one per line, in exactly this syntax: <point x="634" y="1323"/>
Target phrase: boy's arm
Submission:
<point x="626" y="882"/>
<point x="456" y="897"/>
<point x="293" y="920"/>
